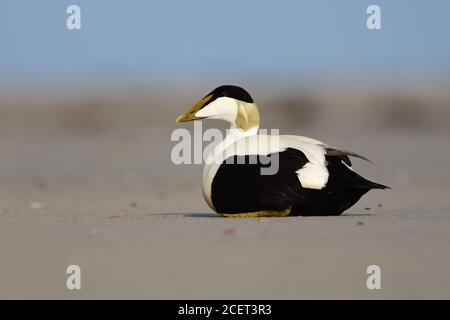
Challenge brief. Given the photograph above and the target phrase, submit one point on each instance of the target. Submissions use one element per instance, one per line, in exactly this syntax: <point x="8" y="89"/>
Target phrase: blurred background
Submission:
<point x="93" y="109"/>
<point x="86" y="115"/>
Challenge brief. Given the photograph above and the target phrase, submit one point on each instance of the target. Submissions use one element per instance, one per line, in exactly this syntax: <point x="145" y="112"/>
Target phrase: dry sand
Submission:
<point x="106" y="197"/>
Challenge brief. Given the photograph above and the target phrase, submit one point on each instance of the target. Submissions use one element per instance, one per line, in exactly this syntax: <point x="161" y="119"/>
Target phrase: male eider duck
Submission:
<point x="311" y="178"/>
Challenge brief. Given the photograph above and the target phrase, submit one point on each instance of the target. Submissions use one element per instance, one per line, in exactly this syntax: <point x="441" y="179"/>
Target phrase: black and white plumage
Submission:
<point x="312" y="178"/>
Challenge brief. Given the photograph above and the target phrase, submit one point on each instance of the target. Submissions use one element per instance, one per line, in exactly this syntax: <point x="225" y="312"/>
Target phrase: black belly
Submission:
<point x="240" y="187"/>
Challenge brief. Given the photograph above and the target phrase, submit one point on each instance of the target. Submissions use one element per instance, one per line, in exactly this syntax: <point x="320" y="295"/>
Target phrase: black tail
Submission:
<point x="344" y="188"/>
<point x="366" y="184"/>
<point x="342" y="176"/>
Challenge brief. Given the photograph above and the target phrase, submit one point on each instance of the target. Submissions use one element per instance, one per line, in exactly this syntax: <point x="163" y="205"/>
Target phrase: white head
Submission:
<point x="229" y="103"/>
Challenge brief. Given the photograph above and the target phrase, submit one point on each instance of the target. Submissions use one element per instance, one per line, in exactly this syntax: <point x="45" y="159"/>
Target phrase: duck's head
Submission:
<point x="230" y="103"/>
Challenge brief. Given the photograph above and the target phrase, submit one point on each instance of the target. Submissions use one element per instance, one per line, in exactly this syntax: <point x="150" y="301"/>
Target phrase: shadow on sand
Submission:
<point x="202" y="215"/>
<point x="215" y="215"/>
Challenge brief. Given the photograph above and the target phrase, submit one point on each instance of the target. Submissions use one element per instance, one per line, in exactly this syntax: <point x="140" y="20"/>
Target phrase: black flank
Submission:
<point x="239" y="187"/>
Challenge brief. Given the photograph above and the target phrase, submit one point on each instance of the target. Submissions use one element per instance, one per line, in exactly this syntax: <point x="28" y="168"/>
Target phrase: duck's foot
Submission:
<point x="257" y="214"/>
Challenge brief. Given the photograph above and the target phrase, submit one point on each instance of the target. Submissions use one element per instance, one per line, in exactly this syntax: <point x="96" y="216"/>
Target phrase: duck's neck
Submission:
<point x="244" y="125"/>
<point x="233" y="134"/>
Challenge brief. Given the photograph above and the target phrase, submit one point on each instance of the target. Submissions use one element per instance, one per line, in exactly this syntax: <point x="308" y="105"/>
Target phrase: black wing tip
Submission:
<point x="337" y="152"/>
<point x="355" y="155"/>
<point x="368" y="160"/>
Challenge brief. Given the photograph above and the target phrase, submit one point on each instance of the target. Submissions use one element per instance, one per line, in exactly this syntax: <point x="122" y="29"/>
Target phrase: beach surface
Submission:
<point x="93" y="185"/>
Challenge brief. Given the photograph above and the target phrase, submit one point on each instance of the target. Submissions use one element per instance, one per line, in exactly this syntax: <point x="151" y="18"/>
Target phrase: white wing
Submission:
<point x="314" y="175"/>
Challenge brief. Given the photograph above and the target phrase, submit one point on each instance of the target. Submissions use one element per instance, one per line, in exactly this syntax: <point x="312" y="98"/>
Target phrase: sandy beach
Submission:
<point x="92" y="184"/>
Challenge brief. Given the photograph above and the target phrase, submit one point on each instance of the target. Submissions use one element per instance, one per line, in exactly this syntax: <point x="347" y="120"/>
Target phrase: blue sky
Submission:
<point x="242" y="36"/>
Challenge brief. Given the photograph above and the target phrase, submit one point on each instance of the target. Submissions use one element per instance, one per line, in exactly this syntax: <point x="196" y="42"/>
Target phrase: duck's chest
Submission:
<point x="209" y="172"/>
<point x="216" y="158"/>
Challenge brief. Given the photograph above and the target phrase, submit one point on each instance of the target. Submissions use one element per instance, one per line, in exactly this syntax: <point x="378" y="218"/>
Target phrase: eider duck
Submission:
<point x="311" y="178"/>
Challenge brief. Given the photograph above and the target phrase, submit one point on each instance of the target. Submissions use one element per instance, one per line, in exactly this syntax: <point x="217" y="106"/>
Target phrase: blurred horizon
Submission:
<point x="202" y="41"/>
<point x="302" y="60"/>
